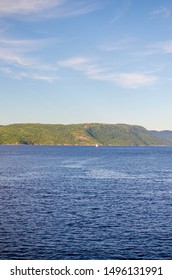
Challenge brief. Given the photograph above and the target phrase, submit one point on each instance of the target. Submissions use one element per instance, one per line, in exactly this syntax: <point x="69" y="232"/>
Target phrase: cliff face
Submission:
<point x="80" y="134"/>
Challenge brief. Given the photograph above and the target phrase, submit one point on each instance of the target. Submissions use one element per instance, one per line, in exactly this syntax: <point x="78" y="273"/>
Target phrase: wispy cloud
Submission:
<point x="162" y="12"/>
<point x="93" y="71"/>
<point x="10" y="57"/>
<point x="18" y="60"/>
<point x="31" y="74"/>
<point x="121" y="10"/>
<point x="77" y="63"/>
<point x="122" y="44"/>
<point x="135" y="80"/>
<point x="11" y="7"/>
<point x="163" y="47"/>
<point x="158" y="48"/>
<point x="86" y="66"/>
<point x="24" y="43"/>
<point x="77" y="8"/>
<point x="47" y="8"/>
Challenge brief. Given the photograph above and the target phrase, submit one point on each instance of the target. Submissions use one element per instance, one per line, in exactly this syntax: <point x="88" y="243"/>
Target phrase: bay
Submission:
<point x="63" y="202"/>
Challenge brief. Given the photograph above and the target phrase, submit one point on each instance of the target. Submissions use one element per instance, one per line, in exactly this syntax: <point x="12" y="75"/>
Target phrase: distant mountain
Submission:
<point x="164" y="134"/>
<point x="123" y="135"/>
<point x="80" y="134"/>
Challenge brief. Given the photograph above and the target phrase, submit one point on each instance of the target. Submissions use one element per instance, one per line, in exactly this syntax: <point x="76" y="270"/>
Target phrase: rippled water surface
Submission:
<point x="85" y="202"/>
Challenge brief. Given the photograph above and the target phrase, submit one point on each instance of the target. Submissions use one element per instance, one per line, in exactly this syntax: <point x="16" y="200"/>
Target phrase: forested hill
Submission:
<point x="80" y="134"/>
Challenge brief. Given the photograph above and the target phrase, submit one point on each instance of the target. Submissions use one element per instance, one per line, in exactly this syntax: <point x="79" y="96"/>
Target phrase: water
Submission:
<point x="85" y="202"/>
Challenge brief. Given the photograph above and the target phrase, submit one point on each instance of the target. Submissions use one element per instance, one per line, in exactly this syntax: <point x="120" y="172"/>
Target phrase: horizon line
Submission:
<point x="82" y="123"/>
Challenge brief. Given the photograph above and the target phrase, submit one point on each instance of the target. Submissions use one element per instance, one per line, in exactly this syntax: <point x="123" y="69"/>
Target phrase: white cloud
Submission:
<point x="77" y="8"/>
<point x="47" y="8"/>
<point x="164" y="47"/>
<point x="33" y="75"/>
<point x="86" y="66"/>
<point x="20" y="52"/>
<point x="18" y="61"/>
<point x="118" y="45"/>
<point x="27" y="44"/>
<point x="135" y="80"/>
<point x="77" y="63"/>
<point x="95" y="72"/>
<point x="163" y="12"/>
<point x="121" y="11"/>
<point x="9" y="57"/>
<point x="42" y="77"/>
<point x="9" y="7"/>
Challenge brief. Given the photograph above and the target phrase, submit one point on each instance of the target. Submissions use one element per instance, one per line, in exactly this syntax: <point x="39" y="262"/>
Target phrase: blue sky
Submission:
<point x="76" y="61"/>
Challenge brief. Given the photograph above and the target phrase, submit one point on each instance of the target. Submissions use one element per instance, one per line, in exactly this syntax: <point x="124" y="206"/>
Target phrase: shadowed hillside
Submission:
<point x="164" y="134"/>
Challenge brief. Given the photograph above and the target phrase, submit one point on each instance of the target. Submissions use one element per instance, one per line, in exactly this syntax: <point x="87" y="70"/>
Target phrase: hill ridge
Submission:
<point x="119" y="134"/>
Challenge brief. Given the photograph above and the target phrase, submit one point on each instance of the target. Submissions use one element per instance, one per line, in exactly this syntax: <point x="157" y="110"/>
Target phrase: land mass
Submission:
<point x="83" y="134"/>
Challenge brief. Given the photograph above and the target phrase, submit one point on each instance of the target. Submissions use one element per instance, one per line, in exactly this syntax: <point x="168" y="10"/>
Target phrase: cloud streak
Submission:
<point x="121" y="11"/>
<point x="18" y="61"/>
<point x="163" y="47"/>
<point x="47" y="8"/>
<point x="158" y="48"/>
<point x="119" y="45"/>
<point x="95" y="72"/>
<point x="31" y="74"/>
<point x="25" y="44"/>
<point x="135" y="80"/>
<point x="162" y="12"/>
<point x="11" y="7"/>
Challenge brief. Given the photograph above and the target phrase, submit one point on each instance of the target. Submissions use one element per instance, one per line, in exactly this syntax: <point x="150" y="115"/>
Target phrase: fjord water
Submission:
<point x="85" y="202"/>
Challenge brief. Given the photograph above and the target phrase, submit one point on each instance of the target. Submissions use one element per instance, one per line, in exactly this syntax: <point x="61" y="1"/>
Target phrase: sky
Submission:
<point x="85" y="61"/>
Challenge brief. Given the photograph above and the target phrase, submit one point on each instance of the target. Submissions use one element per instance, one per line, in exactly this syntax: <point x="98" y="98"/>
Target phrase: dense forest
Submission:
<point x="82" y="134"/>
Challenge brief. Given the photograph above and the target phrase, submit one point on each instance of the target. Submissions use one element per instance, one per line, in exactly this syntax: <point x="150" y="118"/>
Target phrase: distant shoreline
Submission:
<point x="94" y="146"/>
<point x="87" y="134"/>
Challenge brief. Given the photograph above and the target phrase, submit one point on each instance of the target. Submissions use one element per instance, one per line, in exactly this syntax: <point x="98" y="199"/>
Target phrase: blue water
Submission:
<point x="85" y="202"/>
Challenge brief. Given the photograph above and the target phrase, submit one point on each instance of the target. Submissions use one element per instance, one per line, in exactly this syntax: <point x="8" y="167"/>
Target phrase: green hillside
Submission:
<point x="122" y="134"/>
<point x="78" y="134"/>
